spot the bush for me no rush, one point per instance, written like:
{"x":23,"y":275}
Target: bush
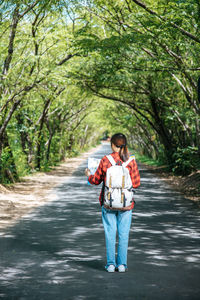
{"x":7,"y":167}
{"x":185,"y":161}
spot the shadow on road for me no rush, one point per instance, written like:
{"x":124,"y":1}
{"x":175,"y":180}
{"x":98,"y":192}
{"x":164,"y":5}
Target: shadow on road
{"x":58,"y":251}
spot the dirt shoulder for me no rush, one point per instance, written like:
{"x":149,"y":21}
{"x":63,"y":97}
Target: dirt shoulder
{"x":35,"y":190}
{"x":189,"y":185}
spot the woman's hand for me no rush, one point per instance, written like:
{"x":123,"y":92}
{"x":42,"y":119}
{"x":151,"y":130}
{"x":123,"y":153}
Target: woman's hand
{"x":87,"y":172}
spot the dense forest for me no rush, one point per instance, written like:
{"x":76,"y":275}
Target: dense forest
{"x":73,"y":71}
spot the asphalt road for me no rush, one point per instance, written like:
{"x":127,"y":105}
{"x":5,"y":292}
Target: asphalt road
{"x":58,"y":251}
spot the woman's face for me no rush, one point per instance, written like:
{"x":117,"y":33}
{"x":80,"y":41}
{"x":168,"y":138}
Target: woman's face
{"x":114,"y":148}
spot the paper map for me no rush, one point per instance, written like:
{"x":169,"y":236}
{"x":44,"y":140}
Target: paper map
{"x":93,"y":164}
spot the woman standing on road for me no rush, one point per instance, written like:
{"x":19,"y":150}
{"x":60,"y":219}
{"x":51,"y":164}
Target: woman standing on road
{"x":116,"y":219}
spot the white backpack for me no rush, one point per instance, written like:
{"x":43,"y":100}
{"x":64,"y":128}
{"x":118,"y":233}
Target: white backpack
{"x":118,"y":186}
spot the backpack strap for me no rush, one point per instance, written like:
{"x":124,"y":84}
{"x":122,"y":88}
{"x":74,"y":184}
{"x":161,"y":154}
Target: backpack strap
{"x":102,"y":193}
{"x":111,"y":160}
{"x":125,"y":164}
{"x":122,"y":190}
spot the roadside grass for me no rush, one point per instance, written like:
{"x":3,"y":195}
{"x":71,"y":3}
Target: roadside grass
{"x":148,"y":161}
{"x":189,"y":185}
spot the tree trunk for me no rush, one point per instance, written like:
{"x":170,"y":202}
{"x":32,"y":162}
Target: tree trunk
{"x":16,"y":18}
{"x":162,"y":130}
{"x":9,"y":173}
{"x":198,"y":134}
{"x":39,"y":137}
{"x":26,"y":142}
{"x":49,"y":145}
{"x":148,"y":136}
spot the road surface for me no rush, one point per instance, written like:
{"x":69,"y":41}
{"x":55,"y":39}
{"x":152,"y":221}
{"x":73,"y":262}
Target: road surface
{"x":58,"y":251}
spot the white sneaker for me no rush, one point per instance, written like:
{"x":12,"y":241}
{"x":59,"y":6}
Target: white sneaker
{"x":111,"y":269}
{"x":121,"y":268}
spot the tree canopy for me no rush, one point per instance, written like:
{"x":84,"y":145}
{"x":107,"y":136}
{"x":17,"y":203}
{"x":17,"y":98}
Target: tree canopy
{"x":72,"y":70}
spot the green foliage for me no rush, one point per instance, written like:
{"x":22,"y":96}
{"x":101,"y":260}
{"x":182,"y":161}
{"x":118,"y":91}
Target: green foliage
{"x":71,"y":72}
{"x":6,"y":166}
{"x":186,"y":160}
{"x":148,"y":63}
{"x":147,"y":160}
{"x":50,"y":119}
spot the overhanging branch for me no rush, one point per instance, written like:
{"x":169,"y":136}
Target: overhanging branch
{"x":183,"y":31}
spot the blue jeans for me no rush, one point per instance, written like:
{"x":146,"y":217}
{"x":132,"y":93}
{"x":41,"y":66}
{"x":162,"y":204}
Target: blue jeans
{"x":113,"y":222}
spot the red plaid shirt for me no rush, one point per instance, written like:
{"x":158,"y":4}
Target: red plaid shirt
{"x":104,"y":164}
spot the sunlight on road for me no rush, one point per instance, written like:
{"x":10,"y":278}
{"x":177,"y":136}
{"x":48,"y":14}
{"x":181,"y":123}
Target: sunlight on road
{"x":60,"y":246}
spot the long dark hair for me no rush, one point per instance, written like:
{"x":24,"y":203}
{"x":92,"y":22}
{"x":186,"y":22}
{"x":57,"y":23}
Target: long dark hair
{"x":120,"y":141}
